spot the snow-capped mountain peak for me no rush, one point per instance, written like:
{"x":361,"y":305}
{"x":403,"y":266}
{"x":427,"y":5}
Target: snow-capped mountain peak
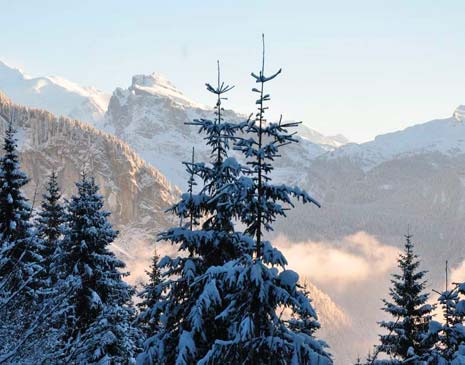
{"x":53,"y":93}
{"x":330,"y":142}
{"x":459,"y":113}
{"x":10,"y":72}
{"x":159,"y":85}
{"x":444,"y":136}
{"x":154,"y":80}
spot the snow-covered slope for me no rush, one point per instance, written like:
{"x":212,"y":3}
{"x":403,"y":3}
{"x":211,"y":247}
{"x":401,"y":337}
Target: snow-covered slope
{"x":151,"y":116}
{"x":446,"y":136}
{"x":330,"y":142}
{"x":135,"y":192}
{"x":55,"y":94}
{"x":157,"y":84}
{"x":412,"y":177}
{"x":337,"y":328}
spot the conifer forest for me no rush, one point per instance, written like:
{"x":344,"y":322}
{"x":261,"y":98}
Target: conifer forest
{"x":141,"y":227}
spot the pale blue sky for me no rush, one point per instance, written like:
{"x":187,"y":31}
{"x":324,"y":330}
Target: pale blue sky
{"x":354,"y":67}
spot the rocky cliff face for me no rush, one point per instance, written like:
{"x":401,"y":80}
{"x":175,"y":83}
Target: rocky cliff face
{"x":151,"y":116}
{"x":135,"y":192}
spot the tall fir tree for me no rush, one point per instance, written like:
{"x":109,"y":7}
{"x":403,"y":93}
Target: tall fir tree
{"x":19,"y":251}
{"x":97,"y":303}
{"x":257,"y":285}
{"x":205,"y":238}
{"x":20,"y":261}
{"x":407,"y":336}
{"x":149,"y":322}
{"x":50,"y":225}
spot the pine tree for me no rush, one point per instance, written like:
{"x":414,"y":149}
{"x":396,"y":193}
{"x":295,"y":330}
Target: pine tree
{"x":20,"y":261}
{"x":96,"y":301}
{"x":222,"y":171}
{"x":19,"y":251}
{"x":190,"y":302}
{"x":50,"y":225}
{"x":149,"y":322}
{"x":407,"y":336}
{"x":450,"y":334}
{"x":108,"y":340}
{"x":257,"y":284}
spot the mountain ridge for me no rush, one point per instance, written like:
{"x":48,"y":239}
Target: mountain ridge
{"x":90,"y":105}
{"x":446,"y":136}
{"x":42,"y":132}
{"x":53,"y":93}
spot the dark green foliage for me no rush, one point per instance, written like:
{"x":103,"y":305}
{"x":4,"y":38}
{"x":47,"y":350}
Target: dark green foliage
{"x":148,"y":320}
{"x":407,"y":335}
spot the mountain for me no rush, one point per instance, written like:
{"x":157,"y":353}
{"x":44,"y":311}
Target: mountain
{"x":136,"y":193}
{"x":414,"y":177}
{"x":330,"y":142}
{"x":53,"y":93}
{"x":445,"y":136}
{"x":338,"y":329}
{"x":148,"y":115}
{"x":151,"y":116}
{"x":411,"y":179}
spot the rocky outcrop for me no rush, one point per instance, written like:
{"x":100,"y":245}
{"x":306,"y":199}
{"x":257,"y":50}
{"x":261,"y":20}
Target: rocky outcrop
{"x":136,"y":193}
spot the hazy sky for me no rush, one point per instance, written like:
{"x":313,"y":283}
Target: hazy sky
{"x":359,"y":68}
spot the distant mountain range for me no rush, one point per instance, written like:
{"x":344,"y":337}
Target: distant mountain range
{"x":414,"y":177}
{"x":149,"y":115}
{"x":53,"y":93}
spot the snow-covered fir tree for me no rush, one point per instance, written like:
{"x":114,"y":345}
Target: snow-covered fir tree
{"x":258,"y":288}
{"x":97,"y":303}
{"x":407,"y":333}
{"x":19,"y":251}
{"x":150,"y":296}
{"x":20,"y":261}
{"x":450,"y":333}
{"x":206,"y":237}
{"x":50,"y":224}
{"x":109,"y":339}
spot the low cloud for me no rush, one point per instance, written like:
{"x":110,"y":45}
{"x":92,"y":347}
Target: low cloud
{"x":353,"y":271}
{"x":355,"y":258}
{"x":136,"y":249}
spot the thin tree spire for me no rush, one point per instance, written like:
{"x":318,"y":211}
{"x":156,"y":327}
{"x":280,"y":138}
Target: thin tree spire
{"x":260,"y":118}
{"x":191,"y":188}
